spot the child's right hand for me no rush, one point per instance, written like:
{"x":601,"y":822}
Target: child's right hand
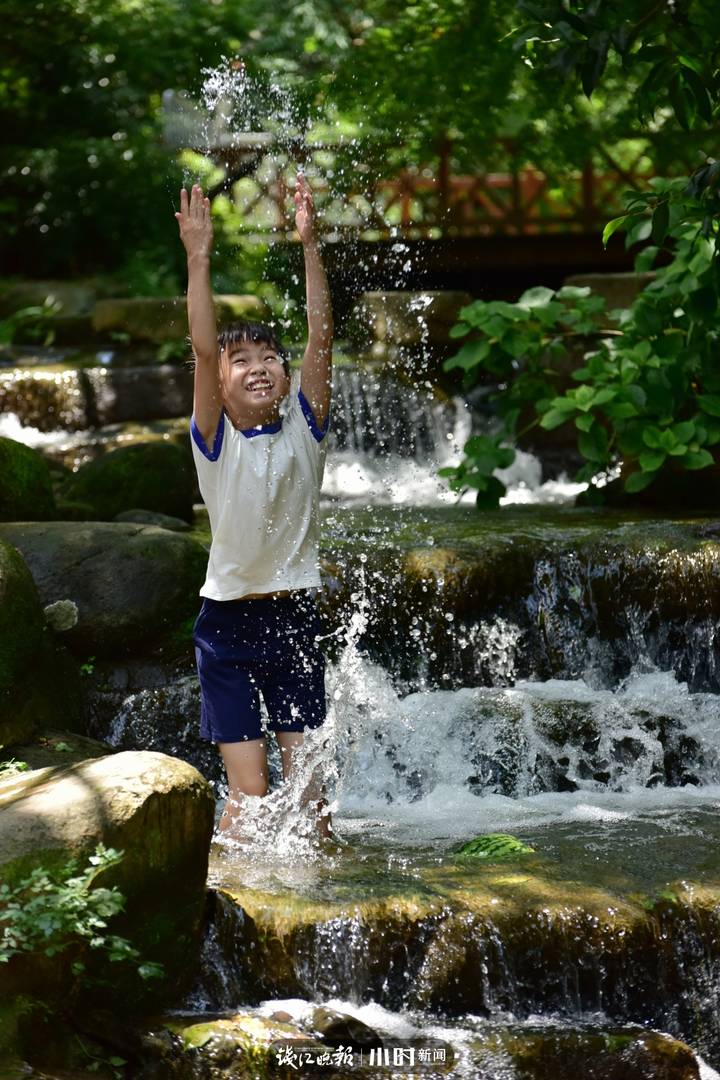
{"x":196,"y":231}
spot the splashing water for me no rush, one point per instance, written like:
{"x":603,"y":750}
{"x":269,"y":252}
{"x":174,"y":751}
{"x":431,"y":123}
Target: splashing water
{"x":282,"y":824}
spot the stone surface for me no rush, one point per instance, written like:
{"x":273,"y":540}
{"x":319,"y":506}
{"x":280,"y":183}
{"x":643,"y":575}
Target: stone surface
{"x":156,"y":476}
{"x":621,"y":917}
{"x":150,"y":517}
{"x":76,"y":298}
{"x":560,"y":1053}
{"x":138,"y":394}
{"x":166,"y":320}
{"x":484,"y":599}
{"x":157,"y":810}
{"x":619,"y":290}
{"x":133,"y":584}
{"x":25,"y":487}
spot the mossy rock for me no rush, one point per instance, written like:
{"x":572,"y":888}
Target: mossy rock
{"x":22,"y":638}
{"x":155,"y":476}
{"x":562,"y":1053}
{"x":133,"y":585}
{"x":493,"y":847}
{"x":162,"y":320}
{"x":25,"y":484}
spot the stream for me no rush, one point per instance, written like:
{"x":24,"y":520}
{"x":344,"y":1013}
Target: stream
{"x":542,"y":671}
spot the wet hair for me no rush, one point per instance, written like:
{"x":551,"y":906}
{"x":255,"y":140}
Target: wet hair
{"x":258,"y":333}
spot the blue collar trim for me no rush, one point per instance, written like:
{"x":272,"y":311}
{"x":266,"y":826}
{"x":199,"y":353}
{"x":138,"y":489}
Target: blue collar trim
{"x":262,"y":429}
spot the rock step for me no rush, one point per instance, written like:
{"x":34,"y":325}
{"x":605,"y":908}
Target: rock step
{"x":631,"y":930}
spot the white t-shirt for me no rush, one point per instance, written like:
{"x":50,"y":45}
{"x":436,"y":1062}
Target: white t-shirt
{"x":261,"y":488}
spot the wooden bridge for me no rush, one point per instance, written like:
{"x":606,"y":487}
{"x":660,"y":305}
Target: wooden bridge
{"x":426,"y":225}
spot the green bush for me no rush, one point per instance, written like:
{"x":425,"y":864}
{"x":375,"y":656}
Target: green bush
{"x":648,"y":393}
{"x":48,"y":911}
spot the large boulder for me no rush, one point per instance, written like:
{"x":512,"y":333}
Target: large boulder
{"x":158,"y":321}
{"x":25,"y":487}
{"x":156,"y":809}
{"x":157,"y":476}
{"x":133,"y":584}
{"x":120,"y":394}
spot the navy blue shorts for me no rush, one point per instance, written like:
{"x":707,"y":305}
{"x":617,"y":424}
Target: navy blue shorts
{"x":245,"y":648}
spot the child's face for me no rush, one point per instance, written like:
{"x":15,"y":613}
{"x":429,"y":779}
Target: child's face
{"x":253,"y":377}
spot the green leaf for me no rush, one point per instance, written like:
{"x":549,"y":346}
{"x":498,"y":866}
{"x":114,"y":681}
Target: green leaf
{"x":652,"y":460}
{"x":536,"y":297}
{"x":584,"y":422}
{"x":698,"y":459}
{"x":593,"y":444}
{"x":637,"y":481}
{"x":554,"y":418}
{"x":612,"y":227}
{"x":684,"y":431}
{"x":602,"y":396}
{"x":644,"y":259}
{"x":660,"y":222}
{"x":459,"y":330}
{"x":652,"y":436}
{"x":573,"y":292}
{"x":471,"y":355}
{"x":709,"y":403}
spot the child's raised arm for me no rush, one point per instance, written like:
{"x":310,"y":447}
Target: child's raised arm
{"x":316,"y":372}
{"x":196,"y":233}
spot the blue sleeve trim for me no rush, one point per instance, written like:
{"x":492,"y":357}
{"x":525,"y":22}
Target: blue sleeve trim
{"x":214,"y":454}
{"x":318,"y":432}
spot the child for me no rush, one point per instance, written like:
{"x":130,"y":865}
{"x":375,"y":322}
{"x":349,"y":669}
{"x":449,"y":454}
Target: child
{"x":260,"y":474}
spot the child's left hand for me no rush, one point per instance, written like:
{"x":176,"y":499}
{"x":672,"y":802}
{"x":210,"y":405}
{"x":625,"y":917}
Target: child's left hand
{"x":304,"y":210}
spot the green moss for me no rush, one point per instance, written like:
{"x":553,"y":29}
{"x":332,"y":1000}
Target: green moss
{"x":25,"y":484}
{"x":147,"y":476}
{"x":21,"y":618}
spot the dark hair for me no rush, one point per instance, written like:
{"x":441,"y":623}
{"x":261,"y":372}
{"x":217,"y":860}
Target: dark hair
{"x":260,"y":334}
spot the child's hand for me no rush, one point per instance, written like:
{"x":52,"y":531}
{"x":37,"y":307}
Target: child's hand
{"x":196,"y":231}
{"x":304,"y":210}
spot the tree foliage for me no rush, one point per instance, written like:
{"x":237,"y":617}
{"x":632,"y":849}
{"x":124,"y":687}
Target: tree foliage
{"x":88,"y":183}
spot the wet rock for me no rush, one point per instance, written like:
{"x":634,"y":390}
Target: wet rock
{"x":338,"y":1028}
{"x":119,"y":395}
{"x":152,"y":710}
{"x":564,"y":1053}
{"x":25,"y":486}
{"x":581,"y":926}
{"x":150,"y":517}
{"x":238,"y":1045}
{"x":460,"y":598}
{"x":132,"y":584}
{"x":166,"y":320}
{"x":156,"y":809}
{"x":155,"y":476}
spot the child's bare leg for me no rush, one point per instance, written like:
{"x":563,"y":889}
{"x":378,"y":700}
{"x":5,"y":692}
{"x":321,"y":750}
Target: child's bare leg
{"x":289,"y":742}
{"x":247,"y":774}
